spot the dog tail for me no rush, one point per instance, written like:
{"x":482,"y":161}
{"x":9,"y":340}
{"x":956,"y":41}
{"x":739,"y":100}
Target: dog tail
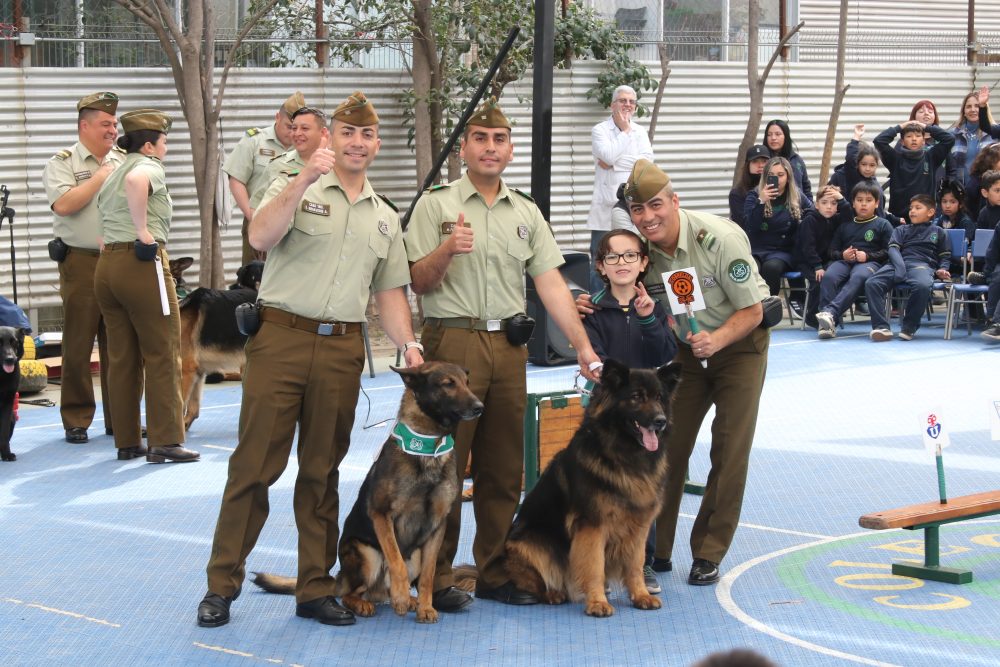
{"x":465,"y":577}
{"x":273,"y":583}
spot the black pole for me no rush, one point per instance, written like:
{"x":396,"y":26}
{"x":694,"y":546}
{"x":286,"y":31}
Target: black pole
{"x":470,"y":108}
{"x":8,"y":213}
{"x":541,"y":121}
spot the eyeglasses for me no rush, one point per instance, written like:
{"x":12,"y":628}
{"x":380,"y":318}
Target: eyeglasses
{"x":626,"y":102}
{"x":630,"y":257}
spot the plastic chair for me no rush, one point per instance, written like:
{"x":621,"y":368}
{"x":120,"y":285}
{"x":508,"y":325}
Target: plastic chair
{"x":786,"y":290}
{"x":964,"y":293}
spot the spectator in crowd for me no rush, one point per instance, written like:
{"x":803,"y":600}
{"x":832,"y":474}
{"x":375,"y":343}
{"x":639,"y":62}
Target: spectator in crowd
{"x":860,"y":164}
{"x":987,"y":160}
{"x":911,"y":163}
{"x":812,"y":243}
{"x":753,"y":165}
{"x":973,"y":131}
{"x":778,"y":138}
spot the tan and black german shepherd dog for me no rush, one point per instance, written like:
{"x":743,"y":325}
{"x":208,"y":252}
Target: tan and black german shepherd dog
{"x":394,"y":531}
{"x":586,"y":520}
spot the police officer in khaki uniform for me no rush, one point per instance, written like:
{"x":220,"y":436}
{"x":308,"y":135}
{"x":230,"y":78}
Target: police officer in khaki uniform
{"x":731,"y":345}
{"x":469,"y":243}
{"x":331,"y":239}
{"x":72,"y":178}
{"x":309,"y":126}
{"x":247,"y":163}
{"x":133,"y":286}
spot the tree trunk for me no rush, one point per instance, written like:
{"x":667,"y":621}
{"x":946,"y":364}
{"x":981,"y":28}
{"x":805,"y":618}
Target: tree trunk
{"x":424,"y":64}
{"x":664,"y":75}
{"x":839,"y":91}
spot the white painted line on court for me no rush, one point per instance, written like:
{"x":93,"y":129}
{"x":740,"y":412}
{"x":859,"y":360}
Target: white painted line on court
{"x":770,"y":529}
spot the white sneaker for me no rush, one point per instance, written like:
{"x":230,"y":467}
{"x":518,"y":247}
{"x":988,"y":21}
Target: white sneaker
{"x":880,"y":335}
{"x":906,"y":335}
{"x":826,"y":326}
{"x":649,"y":578}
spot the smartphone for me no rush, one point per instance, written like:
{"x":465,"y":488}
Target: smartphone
{"x":772,"y":181}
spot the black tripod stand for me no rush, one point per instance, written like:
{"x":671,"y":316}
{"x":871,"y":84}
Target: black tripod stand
{"x":8,"y":213}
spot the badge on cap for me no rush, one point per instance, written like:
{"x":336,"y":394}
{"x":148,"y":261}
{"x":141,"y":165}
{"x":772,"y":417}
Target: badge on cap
{"x":383,"y":227}
{"x":522,"y":231}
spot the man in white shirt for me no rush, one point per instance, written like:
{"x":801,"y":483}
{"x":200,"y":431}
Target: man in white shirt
{"x":616,"y":143}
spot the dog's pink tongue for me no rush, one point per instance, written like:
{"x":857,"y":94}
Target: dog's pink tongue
{"x":8,"y":366}
{"x":649,"y":440}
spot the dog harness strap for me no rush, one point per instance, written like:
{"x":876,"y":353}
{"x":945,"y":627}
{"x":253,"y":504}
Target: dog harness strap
{"x":419,"y":444}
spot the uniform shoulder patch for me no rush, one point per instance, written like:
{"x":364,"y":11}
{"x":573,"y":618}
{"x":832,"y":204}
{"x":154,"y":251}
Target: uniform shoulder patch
{"x":523,"y":194}
{"x":388,"y":201}
{"x":705,"y":239}
{"x":439,"y":186}
{"x":63,"y":154}
{"x":253,"y":131}
{"x":118,"y":149}
{"x":292,"y":173}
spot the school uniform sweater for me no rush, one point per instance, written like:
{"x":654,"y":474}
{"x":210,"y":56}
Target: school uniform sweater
{"x":872,"y":236}
{"x":812,"y":244}
{"x":619,"y":333}
{"x":924,"y":243}
{"x":912,"y":172}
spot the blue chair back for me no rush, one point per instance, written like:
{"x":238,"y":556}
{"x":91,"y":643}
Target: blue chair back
{"x":957,"y":239}
{"x":981,"y":243}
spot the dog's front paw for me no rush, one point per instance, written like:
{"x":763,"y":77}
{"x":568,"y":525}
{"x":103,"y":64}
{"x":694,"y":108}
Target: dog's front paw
{"x":599,"y":608}
{"x":427,"y":615}
{"x":359,"y":606}
{"x":9,"y":456}
{"x":402,"y":606}
{"x":553,"y":597}
{"x":646,"y":602}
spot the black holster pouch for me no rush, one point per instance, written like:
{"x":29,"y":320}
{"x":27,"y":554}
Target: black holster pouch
{"x":773,"y":312}
{"x":146,"y":252}
{"x":519,"y":329}
{"x":58,"y":250}
{"x":248,"y":318}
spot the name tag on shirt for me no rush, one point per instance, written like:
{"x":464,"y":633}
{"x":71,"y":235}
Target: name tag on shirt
{"x":315,"y":209}
{"x":448,"y":227}
{"x":269,"y":152}
{"x":82,"y":175}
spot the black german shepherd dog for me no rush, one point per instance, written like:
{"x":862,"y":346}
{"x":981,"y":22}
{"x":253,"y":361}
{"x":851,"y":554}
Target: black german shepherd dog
{"x":394,"y":531}
{"x":11,"y":351}
{"x":587,"y":518}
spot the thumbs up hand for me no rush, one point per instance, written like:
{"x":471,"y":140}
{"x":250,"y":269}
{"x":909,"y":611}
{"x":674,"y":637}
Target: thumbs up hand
{"x":322,"y":160}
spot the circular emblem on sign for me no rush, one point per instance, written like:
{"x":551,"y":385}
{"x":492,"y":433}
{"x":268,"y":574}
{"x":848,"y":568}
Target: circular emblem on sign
{"x":682,"y":285}
{"x":739,"y":271}
{"x":522,"y":231}
{"x":383,"y":227}
{"x":869,"y":235}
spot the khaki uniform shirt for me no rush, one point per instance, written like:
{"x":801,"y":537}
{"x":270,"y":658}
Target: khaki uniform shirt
{"x":289,"y":164}
{"x":334,"y":253}
{"x":68,"y":169}
{"x":116,"y":220}
{"x":248,"y":162}
{"x":510,"y":237}
{"x":719,"y":251}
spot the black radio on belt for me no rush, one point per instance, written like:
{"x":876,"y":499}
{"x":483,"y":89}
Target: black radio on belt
{"x":58,"y":250}
{"x":248,"y":318}
{"x":772,"y":312}
{"x":519,"y":329}
{"x":146,"y":252}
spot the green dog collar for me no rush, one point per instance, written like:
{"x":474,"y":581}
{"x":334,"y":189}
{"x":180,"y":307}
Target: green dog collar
{"x":421,"y":445}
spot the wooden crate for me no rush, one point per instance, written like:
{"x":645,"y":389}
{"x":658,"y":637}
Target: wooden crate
{"x":550,"y":420}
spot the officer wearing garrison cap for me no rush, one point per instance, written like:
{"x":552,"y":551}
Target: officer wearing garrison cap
{"x":331,"y":240}
{"x":72,"y":178}
{"x":723,"y":365}
{"x":469,"y":243}
{"x":247,"y":164}
{"x":137,"y":297}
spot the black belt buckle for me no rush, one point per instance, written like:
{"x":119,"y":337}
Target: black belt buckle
{"x":331,"y":329}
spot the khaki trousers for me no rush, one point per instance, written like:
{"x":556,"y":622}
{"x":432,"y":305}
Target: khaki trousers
{"x":292,"y":377}
{"x":82,"y":322}
{"x":732,"y":382}
{"x":495,"y":440}
{"x":142,"y":342}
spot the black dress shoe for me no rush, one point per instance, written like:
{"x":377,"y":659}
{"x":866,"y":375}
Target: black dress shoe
{"x":213,"y":610}
{"x":326,"y":610}
{"x":174,"y":453}
{"x":508,"y":594}
{"x":662,"y":564}
{"x":450,"y":600}
{"x":127,"y":453}
{"x":76,"y":435}
{"x":703,"y":572}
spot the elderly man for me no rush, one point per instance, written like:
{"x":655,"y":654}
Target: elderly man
{"x":616,"y":142}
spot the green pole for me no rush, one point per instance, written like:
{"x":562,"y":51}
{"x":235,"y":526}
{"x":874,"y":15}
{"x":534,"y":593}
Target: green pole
{"x":940,"y":476}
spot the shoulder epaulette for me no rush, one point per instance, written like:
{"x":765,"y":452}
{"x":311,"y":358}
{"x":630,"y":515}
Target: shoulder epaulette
{"x":277,"y":157}
{"x":63,"y":154}
{"x":439,"y":186}
{"x":253,"y":131}
{"x":291,"y":174}
{"x":388,"y":201}
{"x":118,"y":149}
{"x":523,"y":194}
{"x":705,"y":239}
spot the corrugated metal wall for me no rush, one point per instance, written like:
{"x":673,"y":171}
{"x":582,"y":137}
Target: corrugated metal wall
{"x":917,"y":17}
{"x":701,"y":124}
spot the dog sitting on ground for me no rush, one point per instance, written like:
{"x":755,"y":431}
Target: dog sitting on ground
{"x":395,"y":529}
{"x":587,"y":519}
{"x":210,"y":339}
{"x":11,"y":351}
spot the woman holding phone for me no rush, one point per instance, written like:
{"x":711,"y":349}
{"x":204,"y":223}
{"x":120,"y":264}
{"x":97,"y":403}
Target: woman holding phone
{"x":772,"y":213}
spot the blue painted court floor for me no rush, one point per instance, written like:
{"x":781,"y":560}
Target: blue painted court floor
{"x":102,"y":562}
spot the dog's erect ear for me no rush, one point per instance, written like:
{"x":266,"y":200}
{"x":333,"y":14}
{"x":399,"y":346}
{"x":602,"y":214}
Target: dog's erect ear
{"x":670,"y":376}
{"x":614,"y":375}
{"x":412,"y":377}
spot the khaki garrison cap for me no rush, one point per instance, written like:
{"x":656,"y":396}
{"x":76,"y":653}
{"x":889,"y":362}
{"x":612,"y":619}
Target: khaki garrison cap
{"x":146,"y":119}
{"x":489,"y":115}
{"x":356,"y":110}
{"x":106,"y":102}
{"x":645,"y":182}
{"x":294,"y":102}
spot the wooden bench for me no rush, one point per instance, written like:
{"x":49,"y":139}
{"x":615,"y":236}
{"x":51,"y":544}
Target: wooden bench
{"x":929,"y":517}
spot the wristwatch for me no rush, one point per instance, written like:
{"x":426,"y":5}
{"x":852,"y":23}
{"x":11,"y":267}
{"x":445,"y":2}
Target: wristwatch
{"x":413,"y":343}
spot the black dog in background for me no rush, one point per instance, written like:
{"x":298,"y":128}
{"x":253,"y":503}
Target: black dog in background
{"x":210,"y":339}
{"x":11,"y":351}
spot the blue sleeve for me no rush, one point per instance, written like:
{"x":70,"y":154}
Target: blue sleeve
{"x":806,"y":184}
{"x":883,"y":144}
{"x":944,"y":141}
{"x":736,"y":202}
{"x":753,"y":211}
{"x":944,"y":251}
{"x":594,"y":334}
{"x":658,"y":342}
